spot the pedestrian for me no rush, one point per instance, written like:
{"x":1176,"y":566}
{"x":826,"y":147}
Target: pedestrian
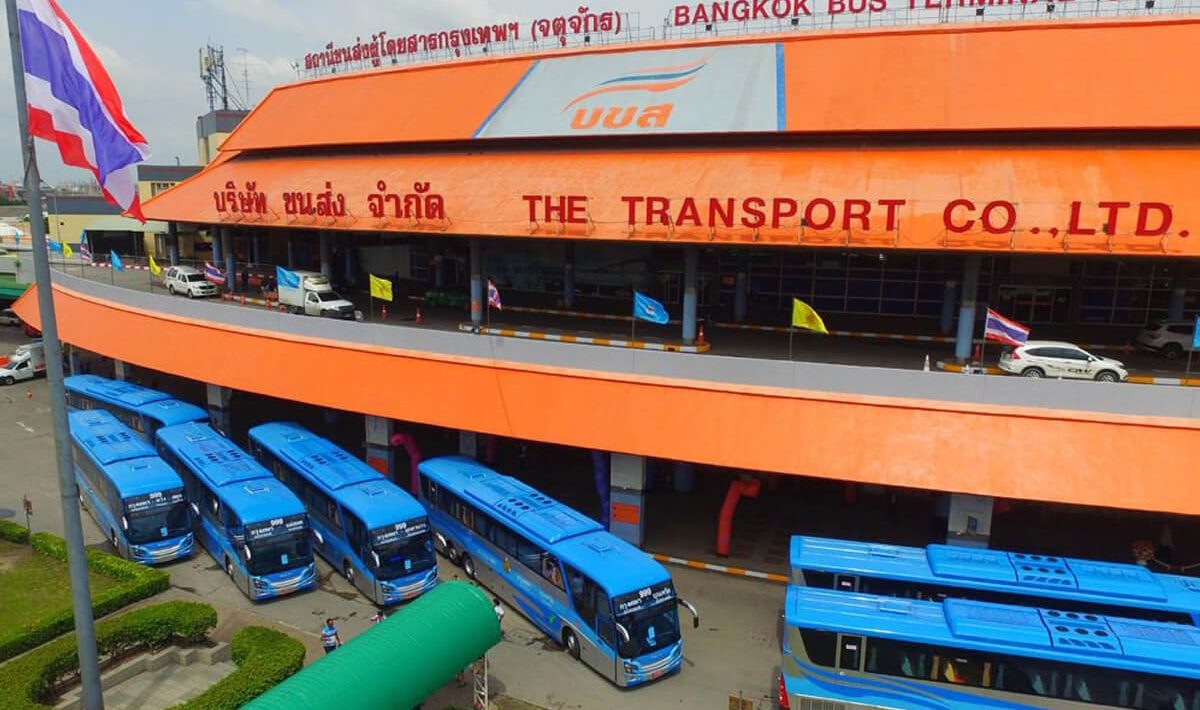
{"x":498,"y":608}
{"x":378,"y":617}
{"x":329,"y":636}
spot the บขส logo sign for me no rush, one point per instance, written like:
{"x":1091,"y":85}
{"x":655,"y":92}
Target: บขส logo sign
{"x":655,"y":80}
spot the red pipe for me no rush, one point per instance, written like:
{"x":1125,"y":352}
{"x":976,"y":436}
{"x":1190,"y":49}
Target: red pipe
{"x":414,"y":457}
{"x":741,"y":487}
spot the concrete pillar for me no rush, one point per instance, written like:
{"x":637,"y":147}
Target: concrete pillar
{"x":326,"y":244}
{"x":741,"y":288}
{"x":218,"y":399}
{"x":439,"y":272}
{"x":1178,"y":300}
{"x":291,"y":251}
{"x":230,"y":267}
{"x":476,"y":283}
{"x":120,"y":370}
{"x":74,"y":366}
{"x":215,"y":233}
{"x":256,"y":248}
{"x":684,"y":477}
{"x":468,"y":444}
{"x":966,"y":312}
{"x":173,"y":243}
{"x":602,"y":470}
{"x":970,"y":520}
{"x":949,"y":295}
{"x":627,"y":498}
{"x":380,"y":455}
{"x":348,"y":264}
{"x":691,"y":264}
{"x":569,"y":278}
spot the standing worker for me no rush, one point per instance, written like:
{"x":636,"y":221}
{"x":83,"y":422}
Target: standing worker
{"x":329,"y":636}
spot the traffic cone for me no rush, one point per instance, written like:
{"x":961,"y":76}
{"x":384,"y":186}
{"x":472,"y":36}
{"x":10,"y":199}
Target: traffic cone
{"x":700,"y":336}
{"x":384,"y":312}
{"x":267,"y":303}
{"x":243,"y":299}
{"x":28,"y":393}
{"x":926,"y":368}
{"x":418,"y":318}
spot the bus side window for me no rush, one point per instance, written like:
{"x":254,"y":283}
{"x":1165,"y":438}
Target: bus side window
{"x":550,"y":570}
{"x":582,"y":595}
{"x":604,"y":622}
{"x":820,"y":646}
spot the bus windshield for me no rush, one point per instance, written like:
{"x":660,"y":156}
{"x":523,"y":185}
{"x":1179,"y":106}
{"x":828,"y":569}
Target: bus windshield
{"x":279,"y":553}
{"x":651,"y":618}
{"x":155,"y":517}
{"x":400,"y":556}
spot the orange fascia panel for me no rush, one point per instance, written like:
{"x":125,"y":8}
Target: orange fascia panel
{"x":1062,"y":75}
{"x":998,"y":199}
{"x":1071,"y":457}
{"x":431,"y":103}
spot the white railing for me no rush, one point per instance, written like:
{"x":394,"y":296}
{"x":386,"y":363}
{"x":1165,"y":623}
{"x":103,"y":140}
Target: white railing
{"x":633,"y":33}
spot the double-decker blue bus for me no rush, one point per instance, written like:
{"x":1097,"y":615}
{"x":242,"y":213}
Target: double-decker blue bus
{"x":936,"y":572}
{"x":850,"y":650}
{"x":135,"y":498}
{"x":364,"y":525}
{"x":141,"y":409}
{"x":251,"y":524}
{"x":610,"y":604}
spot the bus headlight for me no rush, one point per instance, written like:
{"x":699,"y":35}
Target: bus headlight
{"x":628,"y":667}
{"x":259,"y":584}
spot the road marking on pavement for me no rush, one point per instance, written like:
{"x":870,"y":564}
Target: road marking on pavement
{"x":723,"y":569}
{"x":28,"y":429}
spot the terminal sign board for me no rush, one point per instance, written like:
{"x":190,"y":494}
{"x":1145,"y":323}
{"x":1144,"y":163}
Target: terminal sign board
{"x":275,"y":526}
{"x":153,"y":501}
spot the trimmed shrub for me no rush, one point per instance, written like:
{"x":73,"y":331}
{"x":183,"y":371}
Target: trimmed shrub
{"x":27,"y":681}
{"x":140,"y":582}
{"x":265,"y":657}
{"x":13,"y":532}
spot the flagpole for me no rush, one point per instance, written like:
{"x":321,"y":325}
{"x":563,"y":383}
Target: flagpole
{"x":1188,"y":372}
{"x":791,"y":334}
{"x":68,"y":492}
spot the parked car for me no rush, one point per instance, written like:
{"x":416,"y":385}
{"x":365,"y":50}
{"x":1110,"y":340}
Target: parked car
{"x":1169,"y":338}
{"x":188,"y":281}
{"x":28,"y":362}
{"x":1049,"y":358}
{"x":7,"y":317}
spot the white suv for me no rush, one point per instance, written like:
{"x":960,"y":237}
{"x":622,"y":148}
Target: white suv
{"x":188,"y":281}
{"x":1169,"y":338}
{"x":1048,"y":358}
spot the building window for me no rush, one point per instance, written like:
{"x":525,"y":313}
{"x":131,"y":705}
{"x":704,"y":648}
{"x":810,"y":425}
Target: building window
{"x":157,"y":187}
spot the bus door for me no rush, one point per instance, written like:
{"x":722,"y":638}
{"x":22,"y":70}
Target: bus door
{"x":595,"y":612}
{"x":845,"y":582}
{"x":849,"y":652}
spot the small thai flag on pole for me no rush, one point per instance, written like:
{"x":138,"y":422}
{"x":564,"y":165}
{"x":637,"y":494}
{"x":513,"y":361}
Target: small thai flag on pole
{"x":493,"y":296}
{"x":213,"y":274}
{"x":1001,"y":329}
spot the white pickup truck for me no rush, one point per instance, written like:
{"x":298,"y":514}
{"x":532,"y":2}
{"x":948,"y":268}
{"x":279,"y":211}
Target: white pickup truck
{"x":315,"y":297}
{"x":28,"y":362}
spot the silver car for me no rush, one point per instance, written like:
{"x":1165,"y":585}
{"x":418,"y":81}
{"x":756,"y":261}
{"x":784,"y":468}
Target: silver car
{"x":1049,"y":358}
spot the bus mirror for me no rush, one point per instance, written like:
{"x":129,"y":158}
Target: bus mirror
{"x":695,"y":614}
{"x":246,"y":552}
{"x":320,"y":538}
{"x":623,"y":633}
{"x":375,"y":558}
{"x":124,"y":523}
{"x":195,"y":508}
{"x":440,"y":539}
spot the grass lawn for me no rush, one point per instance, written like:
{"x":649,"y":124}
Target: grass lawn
{"x":33,"y":586}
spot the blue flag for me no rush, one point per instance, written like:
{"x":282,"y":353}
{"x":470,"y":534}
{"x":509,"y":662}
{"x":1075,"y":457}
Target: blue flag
{"x":55,"y":247}
{"x":649,"y":309}
{"x":116,"y":261}
{"x":286,"y":279}
{"x":1196,"y":334}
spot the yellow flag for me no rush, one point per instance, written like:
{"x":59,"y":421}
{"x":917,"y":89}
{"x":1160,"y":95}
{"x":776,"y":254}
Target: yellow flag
{"x":803,"y":316}
{"x":380,"y":288}
{"x":68,"y":252}
{"x":155,"y":269}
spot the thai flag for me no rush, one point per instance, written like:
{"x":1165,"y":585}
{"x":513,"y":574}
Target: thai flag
{"x":493,"y":296}
{"x":997,"y":327}
{"x":213,"y":274}
{"x":73,"y":103}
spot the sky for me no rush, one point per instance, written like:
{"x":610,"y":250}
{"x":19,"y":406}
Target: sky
{"x":151,"y":47}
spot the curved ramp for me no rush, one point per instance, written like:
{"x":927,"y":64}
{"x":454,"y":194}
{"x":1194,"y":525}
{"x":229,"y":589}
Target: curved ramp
{"x":398,"y":663}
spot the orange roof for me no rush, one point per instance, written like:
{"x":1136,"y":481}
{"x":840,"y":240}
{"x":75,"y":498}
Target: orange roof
{"x":1031,"y":199}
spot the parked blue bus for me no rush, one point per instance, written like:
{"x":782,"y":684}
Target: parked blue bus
{"x":610,"y":604}
{"x":851,"y":650}
{"x":251,"y":524}
{"x":135,"y":498}
{"x":141,"y":409}
{"x":939,"y":571}
{"x":363,"y":524}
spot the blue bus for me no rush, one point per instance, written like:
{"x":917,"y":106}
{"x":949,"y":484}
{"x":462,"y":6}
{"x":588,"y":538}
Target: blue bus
{"x":363,"y":524}
{"x":251,"y":524}
{"x":135,"y":498}
{"x":939,"y":571}
{"x":610,"y":604}
{"x":141,"y":409}
{"x":851,"y":650}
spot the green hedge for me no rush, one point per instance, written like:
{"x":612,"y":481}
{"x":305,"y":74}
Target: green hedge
{"x":27,"y":681}
{"x":13,"y":532}
{"x":140,"y":582}
{"x":264,"y":658}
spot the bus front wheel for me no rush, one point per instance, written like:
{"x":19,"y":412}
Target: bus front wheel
{"x":228,"y":568}
{"x":468,"y":566}
{"x":113,"y":540}
{"x":452,"y":553}
{"x":571,"y":643}
{"x":348,"y":571}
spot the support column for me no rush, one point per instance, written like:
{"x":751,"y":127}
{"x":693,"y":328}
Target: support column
{"x":741,"y":288}
{"x":173,"y":243}
{"x":120,"y":370}
{"x":380,"y":454}
{"x":326,"y":245}
{"x":1178,"y":300}
{"x":627,"y":493}
{"x":468,"y":444}
{"x":476,"y":283}
{"x":691,"y":264}
{"x":348,"y":264}
{"x":949,"y":295}
{"x":218,"y":399}
{"x":291,"y":251}
{"x":569,"y":278}
{"x":684,"y":477}
{"x":230,"y":267}
{"x":603,"y":476}
{"x":966,"y":313}
{"x":439,"y":273}
{"x":215,"y":235}
{"x":256,"y":248}
{"x":73,"y":364}
{"x":970,"y":521}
